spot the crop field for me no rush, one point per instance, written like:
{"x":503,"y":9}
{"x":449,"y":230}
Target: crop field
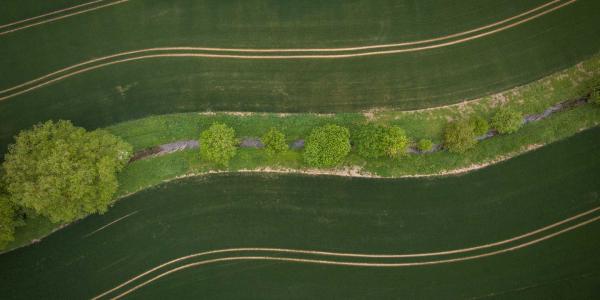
{"x":433,"y":238}
{"x":141,"y":210}
{"x":120,"y":60}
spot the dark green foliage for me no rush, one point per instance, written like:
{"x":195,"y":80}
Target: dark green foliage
{"x":374,"y":141}
{"x":595,"y":96}
{"x":327,"y":146}
{"x":218,"y":144}
{"x":425,"y":145}
{"x":480,"y":125}
{"x":274,"y":141}
{"x":64,"y":172}
{"x":7,"y":221}
{"x":459,"y":136}
{"x":507,"y":120}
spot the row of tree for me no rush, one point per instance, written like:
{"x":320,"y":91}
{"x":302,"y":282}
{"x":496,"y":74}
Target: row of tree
{"x":328,"y":145}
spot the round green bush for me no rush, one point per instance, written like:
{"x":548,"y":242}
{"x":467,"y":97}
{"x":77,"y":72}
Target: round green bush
{"x":425,"y":145}
{"x":480,"y":125}
{"x":374,"y":141}
{"x":327,"y":146}
{"x":64,"y":172}
{"x":274,"y":141}
{"x":459,"y":136}
{"x":507,"y":121}
{"x":218,"y":144}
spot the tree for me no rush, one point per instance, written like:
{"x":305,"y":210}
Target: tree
{"x":374,"y":141}
{"x":274,"y":141}
{"x":480,"y":125}
{"x":64,"y":172}
{"x":425,"y":145}
{"x":327,"y":146}
{"x":218,"y":144}
{"x":507,"y":120}
{"x":459,"y":136}
{"x":7,"y":221}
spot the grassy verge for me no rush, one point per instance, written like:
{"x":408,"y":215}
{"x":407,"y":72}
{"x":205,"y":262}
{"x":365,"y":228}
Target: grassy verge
{"x":146,"y":173}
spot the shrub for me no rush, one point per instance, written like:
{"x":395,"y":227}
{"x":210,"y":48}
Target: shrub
{"x":7,"y":221}
{"x":64,"y":172}
{"x":327,"y":146}
{"x":507,"y":121}
{"x":425,"y":145}
{"x":218,"y":144}
{"x":374,"y":141}
{"x":480,"y":125}
{"x":274,"y":141}
{"x":459,"y":136}
{"x":395,"y":141}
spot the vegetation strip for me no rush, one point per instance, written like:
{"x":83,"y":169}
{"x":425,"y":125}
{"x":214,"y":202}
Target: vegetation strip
{"x":57,"y":18}
{"x":270,"y":57}
{"x":347,"y":263}
{"x":255,"y":143}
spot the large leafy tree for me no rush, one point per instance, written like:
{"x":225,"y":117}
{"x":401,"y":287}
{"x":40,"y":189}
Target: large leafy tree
{"x":374,"y":141}
{"x":459,"y":136}
{"x":218,"y":144}
{"x":327,"y":146}
{"x":64,"y":172}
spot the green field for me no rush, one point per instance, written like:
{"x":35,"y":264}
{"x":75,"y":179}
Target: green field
{"x":153,"y":72}
{"x":340,"y":215}
{"x":409,"y":80}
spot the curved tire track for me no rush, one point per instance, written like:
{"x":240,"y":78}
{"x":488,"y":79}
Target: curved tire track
{"x":224,"y":53}
{"x":356,"y":255}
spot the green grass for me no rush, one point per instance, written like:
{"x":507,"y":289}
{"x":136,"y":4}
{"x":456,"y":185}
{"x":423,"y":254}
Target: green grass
{"x":334,"y":214}
{"x":405,"y":81}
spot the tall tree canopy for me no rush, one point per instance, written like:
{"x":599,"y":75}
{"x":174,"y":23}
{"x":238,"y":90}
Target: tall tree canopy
{"x":64,"y":172}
